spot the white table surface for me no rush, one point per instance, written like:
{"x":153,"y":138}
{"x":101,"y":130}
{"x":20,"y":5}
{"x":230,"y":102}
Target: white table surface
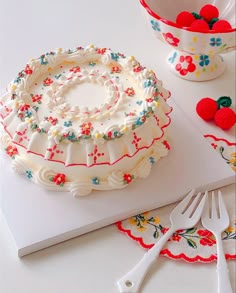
{"x":93,"y":262}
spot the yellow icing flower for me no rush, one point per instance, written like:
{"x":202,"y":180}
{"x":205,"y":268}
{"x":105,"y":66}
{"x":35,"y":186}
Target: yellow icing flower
{"x":29,"y":120}
{"x":54,"y":132}
{"x":13,"y":87}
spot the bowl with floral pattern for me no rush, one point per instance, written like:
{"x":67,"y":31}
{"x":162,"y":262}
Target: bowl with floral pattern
{"x":196,"y":55}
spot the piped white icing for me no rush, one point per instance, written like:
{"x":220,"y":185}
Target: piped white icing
{"x":105,"y":145}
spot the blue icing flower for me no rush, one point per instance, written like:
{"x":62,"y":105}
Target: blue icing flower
{"x":114,"y":56}
{"x":148,"y":83}
{"x":95,"y":180}
{"x":204,"y":60}
{"x":29,"y":174}
{"x":139,"y":102}
{"x":68,"y":123}
{"x":28,"y":114}
{"x":152,"y":160}
{"x":155,"y":25}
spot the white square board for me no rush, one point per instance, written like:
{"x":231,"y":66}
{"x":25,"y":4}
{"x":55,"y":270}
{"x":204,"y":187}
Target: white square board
{"x":38,"y":218}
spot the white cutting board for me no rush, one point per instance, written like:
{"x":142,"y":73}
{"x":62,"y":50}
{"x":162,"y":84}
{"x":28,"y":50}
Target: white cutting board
{"x":38,"y":218}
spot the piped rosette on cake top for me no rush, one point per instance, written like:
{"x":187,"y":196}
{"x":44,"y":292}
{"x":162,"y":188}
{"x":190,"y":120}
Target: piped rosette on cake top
{"x":84,"y":119}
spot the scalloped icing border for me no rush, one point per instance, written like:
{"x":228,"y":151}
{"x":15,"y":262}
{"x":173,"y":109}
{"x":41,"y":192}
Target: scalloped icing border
{"x":51,"y":180}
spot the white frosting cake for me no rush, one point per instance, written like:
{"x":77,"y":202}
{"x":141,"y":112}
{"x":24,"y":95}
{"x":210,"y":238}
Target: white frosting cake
{"x":84,"y":119}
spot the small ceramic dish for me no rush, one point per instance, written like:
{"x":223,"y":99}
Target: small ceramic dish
{"x":195,"y":55}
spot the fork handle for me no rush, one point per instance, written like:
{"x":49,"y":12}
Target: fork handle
{"x":224,"y":285}
{"x":131,"y":282}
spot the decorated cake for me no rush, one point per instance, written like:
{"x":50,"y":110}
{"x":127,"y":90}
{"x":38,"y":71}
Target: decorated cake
{"x":84,"y":119}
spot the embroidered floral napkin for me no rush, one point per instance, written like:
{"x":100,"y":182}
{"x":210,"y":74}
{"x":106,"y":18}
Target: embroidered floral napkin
{"x":192,"y":245}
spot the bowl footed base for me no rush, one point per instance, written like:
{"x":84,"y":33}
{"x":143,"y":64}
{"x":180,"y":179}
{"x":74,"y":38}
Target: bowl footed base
{"x":196,"y":67}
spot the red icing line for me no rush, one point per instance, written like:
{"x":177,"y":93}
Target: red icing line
{"x":168,"y":253}
{"x":220,"y":139}
{"x":173,"y":24}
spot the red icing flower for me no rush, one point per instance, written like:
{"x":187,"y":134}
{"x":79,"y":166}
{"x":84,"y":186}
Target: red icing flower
{"x":52,"y":120}
{"x":24,"y":107}
{"x":36,"y":98}
{"x":11,"y":151}
{"x":207,"y":238}
{"x":28,"y":70}
{"x":170,"y":39}
{"x":127,"y":178}
{"x":149,"y":100}
{"x":186,"y":65}
{"x":47,"y":82}
{"x":130,"y":91}
{"x":75,"y":69}
{"x":86,"y":128}
{"x":101,"y":50}
{"x":137,"y":68}
{"x":59,"y":179}
{"x":115,"y":69}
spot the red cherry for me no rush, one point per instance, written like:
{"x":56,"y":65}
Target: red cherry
{"x":221,"y":25}
{"x":200,"y":25}
{"x":206,"y":108}
{"x":225,"y":118}
{"x":209,"y":11}
{"x":185,"y":18}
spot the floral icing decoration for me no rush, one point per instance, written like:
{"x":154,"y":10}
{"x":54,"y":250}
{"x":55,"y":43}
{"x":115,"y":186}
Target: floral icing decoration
{"x":36,"y":98}
{"x":115,"y":69}
{"x":86,"y":129}
{"x":58,"y":179}
{"x":128,"y":178}
{"x":28,"y":70}
{"x":130,"y":92}
{"x":12,"y":151}
{"x":47,"y":81}
{"x":95,"y":180}
{"x":28,"y":174}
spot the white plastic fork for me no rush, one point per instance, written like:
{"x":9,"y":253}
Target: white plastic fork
{"x":184,"y":216}
{"x":216,"y":219}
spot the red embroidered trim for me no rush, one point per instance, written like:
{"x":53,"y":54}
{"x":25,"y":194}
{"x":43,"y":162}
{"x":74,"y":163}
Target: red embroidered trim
{"x":168,"y":253}
{"x":220,"y":139}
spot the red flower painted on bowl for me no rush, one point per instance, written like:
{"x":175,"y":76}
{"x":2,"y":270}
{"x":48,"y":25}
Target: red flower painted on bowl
{"x":185,"y":65}
{"x":170,"y":39}
{"x":47,"y":82}
{"x":11,"y":151}
{"x":128,"y":178}
{"x":207,"y":238}
{"x":59,"y":179}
